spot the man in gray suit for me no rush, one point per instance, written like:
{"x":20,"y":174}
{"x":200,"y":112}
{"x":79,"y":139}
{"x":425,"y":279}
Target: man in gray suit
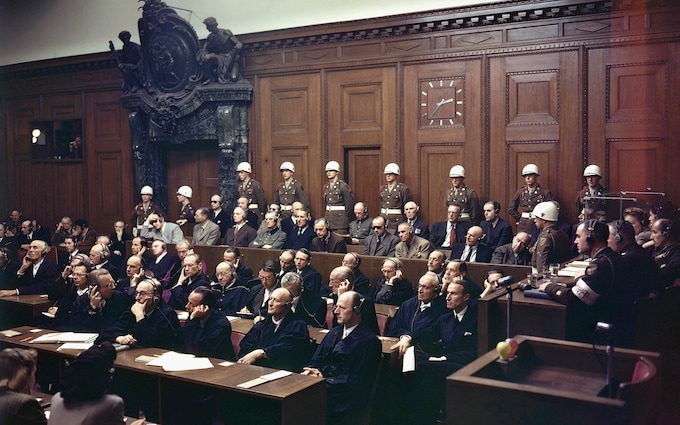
{"x":381,"y":242}
{"x":411,"y":246}
{"x":515,"y":252}
{"x":205,"y":231}
{"x":155,"y":227}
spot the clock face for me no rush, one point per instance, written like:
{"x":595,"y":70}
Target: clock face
{"x":441,"y":102}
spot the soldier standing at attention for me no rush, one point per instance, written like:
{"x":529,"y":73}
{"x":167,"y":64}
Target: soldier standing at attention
{"x":251,"y":189}
{"x":289,"y":191}
{"x":337,"y":200}
{"x":461,"y":194}
{"x":393,"y":196}
{"x":143,"y":209}
{"x":526,"y":198}
{"x":552,"y":245}
{"x":187,"y":212}
{"x":593,"y":175}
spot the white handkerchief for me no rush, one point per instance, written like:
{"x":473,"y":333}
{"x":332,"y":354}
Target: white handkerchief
{"x":409,"y":360}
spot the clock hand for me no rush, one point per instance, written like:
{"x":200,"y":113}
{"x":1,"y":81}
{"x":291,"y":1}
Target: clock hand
{"x":439,"y":105}
{"x":443,"y":102}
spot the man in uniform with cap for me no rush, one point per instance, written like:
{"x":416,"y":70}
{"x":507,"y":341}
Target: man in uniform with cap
{"x":251,"y":189}
{"x":526,"y":198}
{"x":337,"y":200}
{"x":289,"y":191}
{"x":144,"y":209}
{"x":393,"y":196}
{"x":593,"y":175}
{"x":187,"y":213}
{"x":461,"y":194}
{"x":552,"y":245}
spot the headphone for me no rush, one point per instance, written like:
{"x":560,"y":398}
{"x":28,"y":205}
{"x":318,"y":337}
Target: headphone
{"x":496,"y":206}
{"x":289,"y":304}
{"x":358,"y":309}
{"x":617,"y":235}
{"x":666,"y":232}
{"x":357,"y":258}
{"x":156,"y":299}
{"x":590,"y":226}
{"x":4,"y":252}
{"x":105,"y":252}
{"x":46,"y":248}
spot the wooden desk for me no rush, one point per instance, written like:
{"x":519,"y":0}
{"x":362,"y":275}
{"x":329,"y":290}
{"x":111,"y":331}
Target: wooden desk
{"x":530,"y":316}
{"x":19,"y":309}
{"x":386,"y":309}
{"x":550,"y":381}
{"x":297,"y":398}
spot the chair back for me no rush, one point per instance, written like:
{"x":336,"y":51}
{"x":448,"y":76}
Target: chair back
{"x":639,"y":393}
{"x":236,"y":338}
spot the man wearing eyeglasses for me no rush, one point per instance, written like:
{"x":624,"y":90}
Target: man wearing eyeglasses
{"x":259,"y":294}
{"x":101,"y":307}
{"x":381,"y":242}
{"x":218,"y":215}
{"x":445,"y":234}
{"x":155,"y":227}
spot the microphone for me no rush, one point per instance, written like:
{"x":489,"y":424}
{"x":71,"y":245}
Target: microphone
{"x":505,"y":281}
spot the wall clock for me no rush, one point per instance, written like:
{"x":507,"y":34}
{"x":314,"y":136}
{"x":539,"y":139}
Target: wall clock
{"x":441,"y":102}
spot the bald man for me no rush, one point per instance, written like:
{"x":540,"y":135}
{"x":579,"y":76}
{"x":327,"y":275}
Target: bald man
{"x":473,"y":250}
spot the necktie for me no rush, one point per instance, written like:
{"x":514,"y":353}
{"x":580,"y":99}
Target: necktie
{"x":377,"y":243}
{"x":424,"y":306}
{"x":299,"y":232}
{"x":452,"y":236}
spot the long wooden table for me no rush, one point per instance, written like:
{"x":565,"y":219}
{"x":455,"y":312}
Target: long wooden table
{"x":530,"y":316}
{"x":297,"y":398}
{"x":18,"y":310}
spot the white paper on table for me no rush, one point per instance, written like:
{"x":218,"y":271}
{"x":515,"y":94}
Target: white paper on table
{"x":194,"y":363}
{"x":169,"y":358}
{"x":82,"y":346}
{"x":61,"y":337}
{"x":409,"y":360}
{"x":183,"y":315}
{"x":276,"y":375}
{"x":579,"y":263}
{"x":232,"y":318}
{"x":226,"y":363}
{"x":50,"y":315}
{"x":10,"y":333}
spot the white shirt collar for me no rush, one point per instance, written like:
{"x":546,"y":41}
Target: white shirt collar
{"x":346,"y":331}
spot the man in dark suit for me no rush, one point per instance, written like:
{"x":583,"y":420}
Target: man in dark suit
{"x":360,"y":228}
{"x":420,"y":228}
{"x":279,"y":341}
{"x":457,"y":331}
{"x":17,"y":405}
{"x":100,"y":256}
{"x":472,"y":251}
{"x":165,"y":264}
{"x":301,"y":235}
{"x":418,"y":313}
{"x":497,"y":231}
{"x":381,"y":242}
{"x":348,"y":358}
{"x":218,"y":215}
{"x":192,"y":278}
{"x":260,"y":293}
{"x":516,"y":252}
{"x":37,"y":274}
{"x":310,"y":277}
{"x":240,"y":234}
{"x":101,"y":307}
{"x":232,"y":296}
{"x":307,"y":306}
{"x":361,"y":283}
{"x":445,"y":234}
{"x":7,"y":241}
{"x":327,"y":241}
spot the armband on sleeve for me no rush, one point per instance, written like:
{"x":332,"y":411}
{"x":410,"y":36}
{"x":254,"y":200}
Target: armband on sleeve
{"x":585,"y":293}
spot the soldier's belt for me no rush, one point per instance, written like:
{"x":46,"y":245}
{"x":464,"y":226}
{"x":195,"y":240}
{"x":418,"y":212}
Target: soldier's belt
{"x":286,"y":207}
{"x":526,"y":215}
{"x":464,"y":215}
{"x":253,"y":206}
{"x":335,"y":208}
{"x":391,"y":211}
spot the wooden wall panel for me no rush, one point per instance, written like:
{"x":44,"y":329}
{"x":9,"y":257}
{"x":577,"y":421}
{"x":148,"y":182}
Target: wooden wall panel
{"x":194,"y":165}
{"x":63,"y":107}
{"x":363,"y":170}
{"x":23,"y":191}
{"x":290,"y":128}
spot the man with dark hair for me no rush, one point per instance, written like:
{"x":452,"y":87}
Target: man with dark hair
{"x":644,"y":272}
{"x":207,"y":332}
{"x":231,"y":295}
{"x":327,"y":241}
{"x":496,"y":230}
{"x":37,"y":274}
{"x":260,"y":293}
{"x":85,"y":235}
{"x":218,"y":215}
{"x":244,"y":274}
{"x":155,"y":227}
{"x":303,"y":266}
{"x":302,"y":234}
{"x":7,"y":242}
{"x":279,"y":341}
{"x":602,"y":294}
{"x":205,"y":231}
{"x":445,"y":234}
{"x":348,"y":359}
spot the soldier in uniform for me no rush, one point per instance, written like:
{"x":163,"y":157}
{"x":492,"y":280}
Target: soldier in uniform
{"x":289,"y":191}
{"x":526,"y":198}
{"x":593,"y":175}
{"x":143,"y":209}
{"x":602,"y":294}
{"x":461,"y":194}
{"x":552,"y":245}
{"x":251,"y":189}
{"x":337,"y":200}
{"x":187,"y":212}
{"x":393,"y":196}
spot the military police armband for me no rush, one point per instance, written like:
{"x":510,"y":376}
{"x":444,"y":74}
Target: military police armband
{"x":585,"y":293}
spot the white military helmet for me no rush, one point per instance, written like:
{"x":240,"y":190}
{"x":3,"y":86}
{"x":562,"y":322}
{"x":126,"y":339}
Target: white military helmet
{"x":146,"y":190}
{"x":392,"y":168}
{"x":592,"y":170}
{"x":287,"y":166}
{"x":185,"y":191}
{"x":333,"y":166}
{"x":548,"y":211}
{"x":530,"y":169}
{"x":244,"y":166}
{"x":457,"y":171}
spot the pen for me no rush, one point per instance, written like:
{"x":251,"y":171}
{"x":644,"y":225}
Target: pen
{"x":26,"y":339}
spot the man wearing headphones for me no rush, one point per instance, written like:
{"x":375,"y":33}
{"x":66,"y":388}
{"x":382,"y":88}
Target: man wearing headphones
{"x":280,"y":341}
{"x":666,"y":239}
{"x":99,"y":255}
{"x":360,"y":228}
{"x":101,"y":307}
{"x":420,"y":228}
{"x":644,"y":272}
{"x":307,"y":306}
{"x":393,"y":288}
{"x":192,"y":278}
{"x":361,"y":282}
{"x":207,"y":333}
{"x":602,"y":294}
{"x":37,"y":274}
{"x":411,"y":245}
{"x":232,"y":296}
{"x":436,"y":263}
{"x":348,"y":359}
{"x":8,"y":269}
{"x":498,"y":231}
{"x":327,"y":241}
{"x":150,"y":322}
